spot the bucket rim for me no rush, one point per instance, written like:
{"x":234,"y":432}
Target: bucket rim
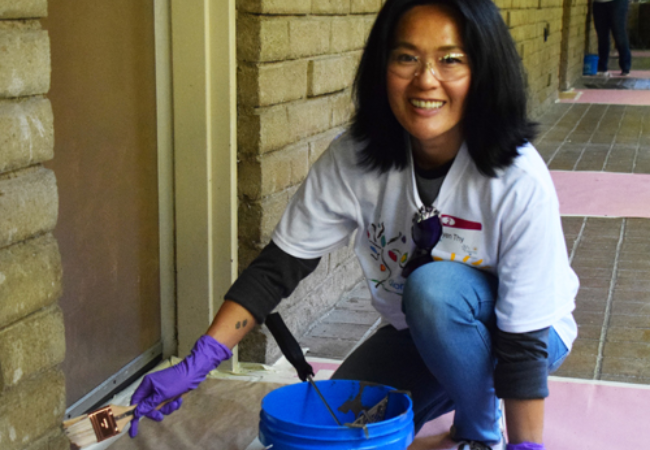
{"x":371,"y":426}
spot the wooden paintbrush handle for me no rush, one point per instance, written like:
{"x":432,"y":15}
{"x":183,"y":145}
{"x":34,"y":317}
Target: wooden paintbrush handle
{"x":119,"y":412}
{"x":123,"y":414}
{"x":124,"y":411}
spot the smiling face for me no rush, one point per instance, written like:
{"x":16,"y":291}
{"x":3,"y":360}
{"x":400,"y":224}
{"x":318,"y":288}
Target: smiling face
{"x":430,"y":110}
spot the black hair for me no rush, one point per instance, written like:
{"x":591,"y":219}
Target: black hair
{"x":495,"y":121}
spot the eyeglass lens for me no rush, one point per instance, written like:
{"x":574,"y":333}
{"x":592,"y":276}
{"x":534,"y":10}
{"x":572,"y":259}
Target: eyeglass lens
{"x":444,"y":66}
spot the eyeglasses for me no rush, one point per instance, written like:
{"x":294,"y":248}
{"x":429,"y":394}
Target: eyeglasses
{"x":426,"y":232}
{"x":445,"y":66}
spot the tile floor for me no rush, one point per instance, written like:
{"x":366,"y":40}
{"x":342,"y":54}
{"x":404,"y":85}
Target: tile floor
{"x":610,"y":255}
{"x":613,"y":304}
{"x":613,"y":138}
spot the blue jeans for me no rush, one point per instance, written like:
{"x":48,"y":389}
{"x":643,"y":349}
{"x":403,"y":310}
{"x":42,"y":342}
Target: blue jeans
{"x":612,"y":17}
{"x":445,"y":358}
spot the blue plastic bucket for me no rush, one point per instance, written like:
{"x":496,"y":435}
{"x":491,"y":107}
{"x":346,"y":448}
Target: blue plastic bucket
{"x":294,"y":417}
{"x":590,"y":65}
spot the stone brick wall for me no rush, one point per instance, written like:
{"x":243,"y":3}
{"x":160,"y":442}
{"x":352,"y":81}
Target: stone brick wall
{"x":32,"y":341}
{"x":538,"y":28}
{"x":297,"y":60}
{"x":574,"y":33}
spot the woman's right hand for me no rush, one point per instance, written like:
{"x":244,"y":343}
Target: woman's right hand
{"x":174,"y":381}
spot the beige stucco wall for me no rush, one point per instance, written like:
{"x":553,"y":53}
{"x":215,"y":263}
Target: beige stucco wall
{"x":32,"y":342}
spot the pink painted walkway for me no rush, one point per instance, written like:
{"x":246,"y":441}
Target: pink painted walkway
{"x":586,"y":415}
{"x":614,"y":96}
{"x":610,"y":97}
{"x":603,"y":194}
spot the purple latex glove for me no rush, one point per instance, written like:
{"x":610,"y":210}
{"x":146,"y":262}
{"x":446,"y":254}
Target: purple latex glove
{"x":525,"y":446}
{"x":167,"y":384}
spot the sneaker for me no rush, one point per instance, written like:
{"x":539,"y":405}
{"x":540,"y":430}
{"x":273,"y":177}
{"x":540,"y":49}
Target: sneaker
{"x":625,"y":74}
{"x":604,"y":74}
{"x":474,"y":445}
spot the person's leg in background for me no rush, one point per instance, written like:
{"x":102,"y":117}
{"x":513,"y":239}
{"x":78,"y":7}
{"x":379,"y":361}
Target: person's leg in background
{"x":449,"y":308}
{"x":619,"y":32}
{"x":602,"y":23}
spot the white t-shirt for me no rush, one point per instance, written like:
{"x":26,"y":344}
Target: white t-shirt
{"x":508,"y":226}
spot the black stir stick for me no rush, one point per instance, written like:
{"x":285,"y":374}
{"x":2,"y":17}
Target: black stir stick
{"x":291,"y":351}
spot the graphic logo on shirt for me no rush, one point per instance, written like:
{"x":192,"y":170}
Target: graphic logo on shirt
{"x":457,"y":222}
{"x":391,"y":256}
{"x":460,"y":238}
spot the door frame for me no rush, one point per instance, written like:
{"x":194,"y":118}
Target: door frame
{"x":201,"y":171}
{"x":165,"y":144}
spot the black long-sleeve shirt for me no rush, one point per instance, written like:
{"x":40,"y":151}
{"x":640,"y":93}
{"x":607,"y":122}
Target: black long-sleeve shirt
{"x":521,"y":370}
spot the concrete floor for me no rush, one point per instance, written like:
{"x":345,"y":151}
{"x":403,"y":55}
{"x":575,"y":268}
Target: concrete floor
{"x":610,"y":255}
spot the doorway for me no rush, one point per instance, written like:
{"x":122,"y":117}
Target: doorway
{"x":103,"y":94}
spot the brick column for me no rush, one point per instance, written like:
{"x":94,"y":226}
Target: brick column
{"x":536,"y":27}
{"x":574,"y":35}
{"x":296,"y":63}
{"x":32,"y":340}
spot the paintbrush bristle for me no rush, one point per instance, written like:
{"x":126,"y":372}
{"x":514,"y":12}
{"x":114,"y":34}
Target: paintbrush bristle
{"x":98,"y":425}
{"x":81,"y":433}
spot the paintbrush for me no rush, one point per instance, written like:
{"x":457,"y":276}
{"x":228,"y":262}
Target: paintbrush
{"x":291,"y":350}
{"x":101,"y":424}
{"x":98,"y":425}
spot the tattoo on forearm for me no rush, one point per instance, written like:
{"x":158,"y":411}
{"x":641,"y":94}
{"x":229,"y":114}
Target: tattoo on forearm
{"x":245,"y":323}
{"x":239,"y":324}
